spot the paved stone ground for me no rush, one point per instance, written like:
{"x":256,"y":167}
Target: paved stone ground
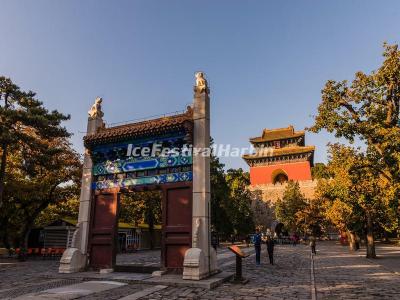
{"x":14,"y":274}
{"x":20,"y":278}
{"x":153,"y":257}
{"x":341,"y":274}
{"x":150,"y":257}
{"x":116,"y":293}
{"x":289,"y":278}
{"x":388,"y":256}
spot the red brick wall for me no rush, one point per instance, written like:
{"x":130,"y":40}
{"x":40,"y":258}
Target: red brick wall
{"x":295,"y":171}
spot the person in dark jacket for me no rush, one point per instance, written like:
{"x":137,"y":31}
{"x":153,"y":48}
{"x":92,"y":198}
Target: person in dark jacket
{"x":313,"y":242}
{"x":270,"y":249}
{"x":257,"y":246}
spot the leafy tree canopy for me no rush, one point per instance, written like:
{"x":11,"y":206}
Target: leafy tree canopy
{"x":368,"y":110}
{"x":287,"y":208}
{"x":38,"y":166}
{"x":320,"y":171}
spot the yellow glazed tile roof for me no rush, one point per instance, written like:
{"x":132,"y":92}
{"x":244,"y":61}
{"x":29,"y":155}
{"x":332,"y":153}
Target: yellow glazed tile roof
{"x":277,"y":134}
{"x":280,"y":151}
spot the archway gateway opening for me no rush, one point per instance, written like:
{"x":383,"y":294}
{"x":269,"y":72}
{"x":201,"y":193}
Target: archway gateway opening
{"x":145,"y":246}
{"x":134,"y":167}
{"x":139,"y":231}
{"x":139,"y":227}
{"x":162,"y":154}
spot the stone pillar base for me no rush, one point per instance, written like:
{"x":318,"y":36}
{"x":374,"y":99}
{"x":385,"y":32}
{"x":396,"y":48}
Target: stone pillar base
{"x":195,"y":265}
{"x":72,"y":261}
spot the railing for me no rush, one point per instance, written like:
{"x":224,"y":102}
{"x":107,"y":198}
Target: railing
{"x":133,"y":241}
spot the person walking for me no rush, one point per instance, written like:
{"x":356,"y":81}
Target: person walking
{"x":214,"y":240}
{"x":270,"y":249}
{"x":313,"y":242}
{"x":257,"y":246}
{"x":295,"y":239}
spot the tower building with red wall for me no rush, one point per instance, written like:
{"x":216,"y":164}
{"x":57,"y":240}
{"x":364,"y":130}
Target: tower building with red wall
{"x":280,"y":155}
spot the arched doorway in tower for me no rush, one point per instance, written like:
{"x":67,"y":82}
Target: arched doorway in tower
{"x":279,"y":176}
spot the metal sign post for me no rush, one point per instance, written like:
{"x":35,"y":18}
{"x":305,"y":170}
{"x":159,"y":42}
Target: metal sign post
{"x":239,"y":257}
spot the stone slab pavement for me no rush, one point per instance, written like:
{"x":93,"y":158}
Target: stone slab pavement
{"x":153,"y":257}
{"x":21,"y":278}
{"x":338,"y":274}
{"x":290,"y":275}
{"x":289,"y":278}
{"x":148,"y":257}
{"x":388,"y":256}
{"x":341,"y":274}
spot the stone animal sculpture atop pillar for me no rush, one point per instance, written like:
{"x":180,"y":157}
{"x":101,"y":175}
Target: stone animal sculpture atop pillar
{"x":95,"y":111}
{"x":201,"y":83}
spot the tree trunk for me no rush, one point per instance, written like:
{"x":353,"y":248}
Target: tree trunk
{"x":24,"y":242}
{"x":3,"y":158}
{"x":370,"y":238}
{"x":357,"y":242}
{"x":30,"y":220}
{"x":398,"y":231}
{"x":151,"y":232}
{"x":3,"y":172}
{"x":26,"y":238}
{"x":352,"y":241}
{"x":4,"y":237}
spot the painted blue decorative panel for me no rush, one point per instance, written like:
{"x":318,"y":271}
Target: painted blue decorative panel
{"x":126,"y":163}
{"x":137,"y":164}
{"x":156,"y":179}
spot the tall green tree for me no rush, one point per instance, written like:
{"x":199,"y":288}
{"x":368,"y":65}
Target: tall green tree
{"x":368,"y":110}
{"x":37,"y":163}
{"x":220,"y":201}
{"x":263,"y":211}
{"x":24,"y":124}
{"x":65,"y":208}
{"x":240,"y":212}
{"x":340,"y":206}
{"x":320,"y":171}
{"x":230,"y":202}
{"x":37,"y":179}
{"x":355,"y":196}
{"x":311,"y":219}
{"x":287,"y":208}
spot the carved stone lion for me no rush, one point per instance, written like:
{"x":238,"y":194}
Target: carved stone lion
{"x":95,"y":110}
{"x":201,"y":82}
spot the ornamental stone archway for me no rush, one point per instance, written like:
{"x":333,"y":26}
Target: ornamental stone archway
{"x":110,"y":168}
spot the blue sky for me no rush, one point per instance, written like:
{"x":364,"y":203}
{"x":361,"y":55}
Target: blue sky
{"x":266,"y":61}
